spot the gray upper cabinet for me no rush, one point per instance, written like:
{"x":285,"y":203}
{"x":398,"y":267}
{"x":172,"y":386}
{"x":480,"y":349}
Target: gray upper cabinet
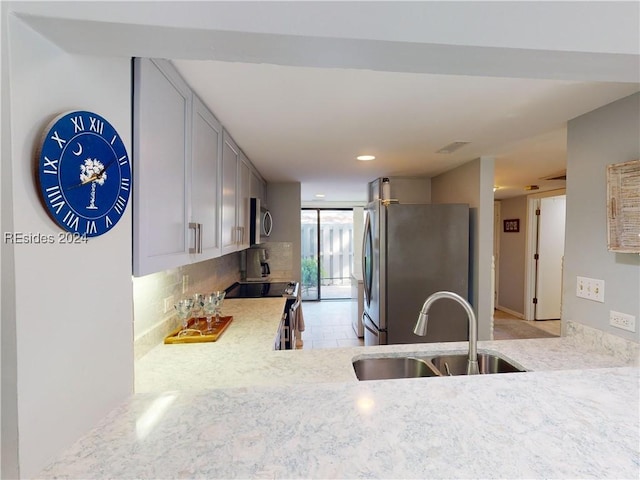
{"x":206,"y":151}
{"x":236,"y":178}
{"x":192,"y":183}
{"x":258,"y":188}
{"x":229,"y":224}
{"x":244,"y":205}
{"x":161,"y":121}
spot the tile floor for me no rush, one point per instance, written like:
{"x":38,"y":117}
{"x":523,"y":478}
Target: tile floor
{"x":328,"y":325}
{"x":508,"y":327}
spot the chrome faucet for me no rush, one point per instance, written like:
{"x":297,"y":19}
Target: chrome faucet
{"x":423,"y":319}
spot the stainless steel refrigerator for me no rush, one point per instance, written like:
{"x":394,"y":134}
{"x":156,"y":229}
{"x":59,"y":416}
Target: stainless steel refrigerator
{"x":410,"y":252}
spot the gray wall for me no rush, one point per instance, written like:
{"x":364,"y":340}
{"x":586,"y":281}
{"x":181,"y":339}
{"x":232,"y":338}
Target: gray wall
{"x":512,"y":256}
{"x":284,"y":204}
{"x":472,"y":183}
{"x":599,"y":138}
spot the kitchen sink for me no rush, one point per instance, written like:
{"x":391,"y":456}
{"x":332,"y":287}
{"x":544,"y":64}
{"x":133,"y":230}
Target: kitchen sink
{"x":392,"y":367}
{"x":381,"y":368}
{"x":457,"y":364}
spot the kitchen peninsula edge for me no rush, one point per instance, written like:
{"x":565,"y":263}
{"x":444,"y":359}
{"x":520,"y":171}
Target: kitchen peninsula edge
{"x":239,"y":409}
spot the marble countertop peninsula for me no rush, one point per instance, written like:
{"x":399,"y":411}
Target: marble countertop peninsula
{"x":225,"y":411}
{"x":244,"y":355}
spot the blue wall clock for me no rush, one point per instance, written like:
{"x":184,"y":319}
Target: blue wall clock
{"x":84,"y":173}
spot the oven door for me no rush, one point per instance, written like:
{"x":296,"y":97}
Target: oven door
{"x":282,"y":335}
{"x":372,"y":335}
{"x":286,"y":336}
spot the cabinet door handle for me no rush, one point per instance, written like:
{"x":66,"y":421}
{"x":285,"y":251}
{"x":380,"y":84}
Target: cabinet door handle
{"x":197,"y":238}
{"x":199,"y":247}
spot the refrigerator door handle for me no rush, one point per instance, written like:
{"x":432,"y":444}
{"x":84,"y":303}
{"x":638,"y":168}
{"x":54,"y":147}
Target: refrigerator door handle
{"x":367,"y":252}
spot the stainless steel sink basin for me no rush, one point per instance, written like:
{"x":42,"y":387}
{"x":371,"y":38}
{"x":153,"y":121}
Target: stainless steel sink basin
{"x":381,"y":368}
{"x":457,"y":364}
{"x":392,"y":367}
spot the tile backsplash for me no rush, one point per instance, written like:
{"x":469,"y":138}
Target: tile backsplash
{"x":151,"y":323}
{"x":280,"y":260}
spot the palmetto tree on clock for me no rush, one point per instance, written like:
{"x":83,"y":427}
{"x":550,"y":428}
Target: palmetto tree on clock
{"x":92,"y":170}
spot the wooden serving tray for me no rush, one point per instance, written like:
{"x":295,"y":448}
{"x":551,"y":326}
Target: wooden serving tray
{"x":199,"y":325}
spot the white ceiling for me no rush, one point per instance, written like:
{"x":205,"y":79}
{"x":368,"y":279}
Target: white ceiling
{"x":304,"y":87}
{"x":308,"y":124}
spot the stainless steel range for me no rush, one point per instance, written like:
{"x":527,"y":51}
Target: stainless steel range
{"x":262,"y":289}
{"x":288,"y":331}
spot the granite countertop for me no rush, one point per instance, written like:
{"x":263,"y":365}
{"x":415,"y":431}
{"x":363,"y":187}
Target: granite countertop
{"x":258,"y":413}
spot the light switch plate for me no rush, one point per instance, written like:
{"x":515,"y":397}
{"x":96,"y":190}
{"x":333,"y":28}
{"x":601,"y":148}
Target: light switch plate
{"x":168,"y":304}
{"x":590,"y":288}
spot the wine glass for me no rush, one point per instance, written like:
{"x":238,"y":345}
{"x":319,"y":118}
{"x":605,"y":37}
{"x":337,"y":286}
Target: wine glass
{"x":184,"y":308}
{"x":198,"y":303}
{"x":209,"y":306}
{"x":218,"y":297}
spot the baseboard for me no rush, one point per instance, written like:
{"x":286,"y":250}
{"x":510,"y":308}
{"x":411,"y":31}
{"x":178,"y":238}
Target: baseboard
{"x":510,"y":312}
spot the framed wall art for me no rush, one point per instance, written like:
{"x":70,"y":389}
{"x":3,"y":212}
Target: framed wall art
{"x":623,"y":207}
{"x":512,"y":225}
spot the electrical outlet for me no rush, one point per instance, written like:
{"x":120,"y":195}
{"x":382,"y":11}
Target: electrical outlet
{"x":168,"y":304}
{"x":185,"y":283}
{"x":622,"y":320}
{"x":590,"y":288}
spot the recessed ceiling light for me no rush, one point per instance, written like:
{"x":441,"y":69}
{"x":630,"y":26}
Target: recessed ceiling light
{"x":365,"y":158}
{"x":319,"y":195}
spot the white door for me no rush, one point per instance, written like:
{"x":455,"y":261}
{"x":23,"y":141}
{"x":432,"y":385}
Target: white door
{"x":551,"y":225}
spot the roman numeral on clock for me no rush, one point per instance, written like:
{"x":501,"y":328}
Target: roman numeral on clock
{"x":97,"y":125}
{"x":71,"y":220}
{"x":91,"y":227}
{"x":78,"y":124}
{"x":52,"y":164}
{"x":120,"y":204}
{"x":55,"y":198}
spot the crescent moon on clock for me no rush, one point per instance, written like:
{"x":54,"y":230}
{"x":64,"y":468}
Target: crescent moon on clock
{"x":79,"y":152}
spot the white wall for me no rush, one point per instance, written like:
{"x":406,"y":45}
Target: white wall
{"x":525,"y":39}
{"x":599,"y":138}
{"x":604,"y":26}
{"x":73,"y":303}
{"x":472,"y":183}
{"x":8,"y":363}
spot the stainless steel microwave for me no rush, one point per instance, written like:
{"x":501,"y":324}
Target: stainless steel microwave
{"x":261,"y":223}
